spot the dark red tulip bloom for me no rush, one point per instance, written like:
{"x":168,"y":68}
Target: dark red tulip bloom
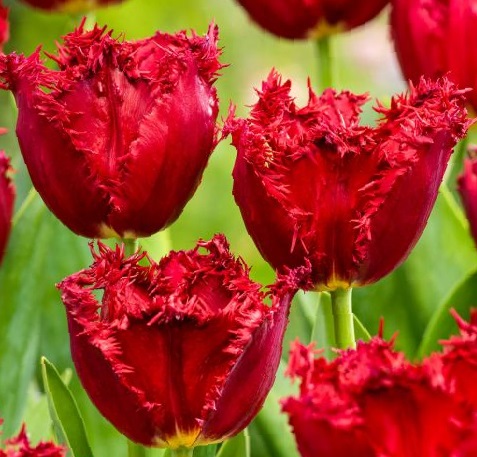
{"x":70,"y":6}
{"x":467,"y":186}
{"x":117,"y":139}
{"x":4,"y":25}
{"x":373,"y":401}
{"x":20,"y":446}
{"x":181,"y":353}
{"x":433,"y":38}
{"x":313,"y":184}
{"x":311,"y":18}
{"x":7,"y":195}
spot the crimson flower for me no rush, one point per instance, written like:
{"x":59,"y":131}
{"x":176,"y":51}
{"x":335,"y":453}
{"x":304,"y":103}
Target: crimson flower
{"x":433,"y":38}
{"x":311,"y":18}
{"x":4,"y":25}
{"x":70,"y":6}
{"x":7,"y":195}
{"x":182,"y":352}
{"x":20,"y":446}
{"x":313,"y":184}
{"x":467,"y":187}
{"x":117,"y":139}
{"x":375,"y":402}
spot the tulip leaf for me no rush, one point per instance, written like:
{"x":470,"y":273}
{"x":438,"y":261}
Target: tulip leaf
{"x":323,"y":333}
{"x":360,"y":331}
{"x":67,"y":422}
{"x":462,"y":298}
{"x":205,"y":451}
{"x":238,"y":446}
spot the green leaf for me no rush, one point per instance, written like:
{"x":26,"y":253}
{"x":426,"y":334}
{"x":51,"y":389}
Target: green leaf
{"x":323,"y":333}
{"x":67,"y":421}
{"x":462,"y":298}
{"x":205,"y":451}
{"x":238,"y":446}
{"x":360,"y":331}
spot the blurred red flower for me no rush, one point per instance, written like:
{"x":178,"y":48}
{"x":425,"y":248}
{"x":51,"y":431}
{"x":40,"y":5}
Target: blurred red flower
{"x":433,"y":38}
{"x":117,"y":139}
{"x":7,"y":195}
{"x":375,"y":402}
{"x":311,"y":18}
{"x":313,"y":184}
{"x":467,"y":187}
{"x":20,"y":447}
{"x":4,"y":25}
{"x":181,"y":353}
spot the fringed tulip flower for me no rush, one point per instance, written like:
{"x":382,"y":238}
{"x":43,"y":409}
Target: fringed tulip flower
{"x":70,"y":6}
{"x":117,"y":139}
{"x":7,"y":195}
{"x":313,"y":184}
{"x":374,"y":402}
{"x":434,"y":38}
{"x":20,"y":446}
{"x":181,"y":353}
{"x":311,"y":18}
{"x":467,"y":187}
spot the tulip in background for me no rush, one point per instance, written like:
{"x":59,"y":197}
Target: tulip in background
{"x":7,"y":195}
{"x":314,"y":185}
{"x":311,"y":18}
{"x":20,"y":446}
{"x":183,"y":352}
{"x":467,"y":187}
{"x":375,"y":402}
{"x":4,"y":25}
{"x":117,"y":139}
{"x":70,"y":6}
{"x":434,"y":38}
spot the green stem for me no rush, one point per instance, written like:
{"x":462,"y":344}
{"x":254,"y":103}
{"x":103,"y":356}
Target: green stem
{"x":136,"y":450}
{"x":32,"y":193}
{"x":130,"y":246}
{"x":343,"y":318}
{"x":182,"y":452}
{"x":325,"y":74}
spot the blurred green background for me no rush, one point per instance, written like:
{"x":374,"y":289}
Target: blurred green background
{"x":42,"y":252}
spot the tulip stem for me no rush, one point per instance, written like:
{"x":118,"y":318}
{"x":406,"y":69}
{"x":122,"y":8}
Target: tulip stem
{"x":131,"y":245}
{"x":136,"y":450}
{"x":325,"y":74}
{"x":343,"y":318}
{"x":182,"y":452}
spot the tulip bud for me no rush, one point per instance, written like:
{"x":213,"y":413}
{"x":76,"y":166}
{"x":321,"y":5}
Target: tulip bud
{"x":432,"y":38}
{"x":178,"y":353}
{"x":117,"y":139}
{"x":7,"y":195}
{"x":70,"y":6}
{"x":314,"y":185}
{"x":311,"y":18}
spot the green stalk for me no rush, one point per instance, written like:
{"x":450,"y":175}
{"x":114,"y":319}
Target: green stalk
{"x":136,"y":450}
{"x":325,"y":74}
{"x":182,"y":452}
{"x":130,"y":246}
{"x":343,"y":318}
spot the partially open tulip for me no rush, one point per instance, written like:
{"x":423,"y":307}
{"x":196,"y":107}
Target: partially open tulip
{"x":467,"y":187}
{"x":178,"y":353}
{"x":313,"y":184}
{"x":434,"y":38}
{"x":116,"y":139}
{"x":311,"y":18}
{"x":7,"y":195}
{"x":372,"y":402}
{"x":70,"y":6}
{"x":20,"y":446}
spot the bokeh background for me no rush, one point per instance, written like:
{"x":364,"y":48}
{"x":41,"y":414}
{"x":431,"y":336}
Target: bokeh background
{"x":42,"y":251}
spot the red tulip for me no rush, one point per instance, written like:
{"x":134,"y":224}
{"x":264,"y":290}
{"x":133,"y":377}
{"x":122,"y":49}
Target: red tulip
{"x":313,"y":184}
{"x":433,"y":38}
{"x":7,"y":195}
{"x":375,"y":403}
{"x":311,"y":18}
{"x":20,"y":447}
{"x":181,"y":353}
{"x":117,"y":139}
{"x":467,"y":187}
{"x":70,"y":6}
{"x":4,"y":25}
